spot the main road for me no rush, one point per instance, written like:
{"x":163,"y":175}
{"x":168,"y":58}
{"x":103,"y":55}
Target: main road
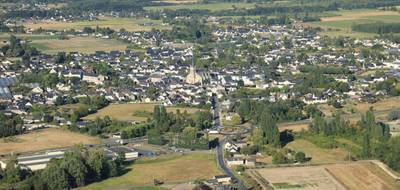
{"x":220,"y":152}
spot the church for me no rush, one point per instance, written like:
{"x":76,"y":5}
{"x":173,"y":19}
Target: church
{"x":197,"y":77}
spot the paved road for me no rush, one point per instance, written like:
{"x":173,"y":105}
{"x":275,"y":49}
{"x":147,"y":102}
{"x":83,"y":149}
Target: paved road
{"x":220,"y":152}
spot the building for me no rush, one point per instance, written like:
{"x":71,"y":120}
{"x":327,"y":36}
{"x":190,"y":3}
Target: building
{"x":37,"y":161}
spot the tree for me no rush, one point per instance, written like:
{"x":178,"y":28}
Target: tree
{"x":300,"y":156}
{"x":279,"y":158}
{"x":257,"y":137}
{"x":12,"y":173}
{"x":54,"y":176}
{"x":96,"y":160}
{"x":74,"y":164}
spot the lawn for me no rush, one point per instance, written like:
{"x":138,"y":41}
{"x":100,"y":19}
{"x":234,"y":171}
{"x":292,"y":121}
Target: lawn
{"x":210,"y":6}
{"x":170,"y":169}
{"x":341,"y":24}
{"x":130,"y":24}
{"x":78,"y":44}
{"x":133,"y":111}
{"x":318,"y":155}
{"x":43,"y":139}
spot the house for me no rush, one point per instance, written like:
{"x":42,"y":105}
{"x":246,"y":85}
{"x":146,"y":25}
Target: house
{"x":224,"y":179}
{"x":239,"y":159}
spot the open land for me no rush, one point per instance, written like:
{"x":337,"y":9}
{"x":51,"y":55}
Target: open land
{"x":171,"y":169}
{"x":342,"y":23}
{"x":78,"y":44}
{"x":126,"y":112}
{"x":357,"y":176}
{"x":44,"y":139}
{"x":318,"y":155}
{"x":129,"y":24}
{"x":210,"y":6}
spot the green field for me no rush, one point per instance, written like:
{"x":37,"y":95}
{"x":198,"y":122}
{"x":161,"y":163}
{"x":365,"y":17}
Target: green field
{"x":345,"y":19}
{"x":78,"y":44}
{"x":133,"y":112}
{"x":130,"y":24}
{"x":170,"y":169}
{"x":318,"y":155}
{"x":210,"y":7}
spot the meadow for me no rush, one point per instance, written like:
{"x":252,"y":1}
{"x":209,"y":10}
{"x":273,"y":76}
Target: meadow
{"x":129,"y":24}
{"x":210,"y":6}
{"x":340,"y":22}
{"x":133,"y":111}
{"x":170,"y":169}
{"x":78,"y":44}
{"x":44,"y":139}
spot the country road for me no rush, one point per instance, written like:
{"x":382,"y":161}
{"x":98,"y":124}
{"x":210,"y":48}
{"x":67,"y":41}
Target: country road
{"x":219,"y":149}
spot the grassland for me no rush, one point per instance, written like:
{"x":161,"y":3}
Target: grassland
{"x":345,"y":19}
{"x":318,"y":155}
{"x":129,"y":24}
{"x":44,"y":139}
{"x":78,"y":44}
{"x":210,"y":6}
{"x":170,"y":169}
{"x":128,"y":112}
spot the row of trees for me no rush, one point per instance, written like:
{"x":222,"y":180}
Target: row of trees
{"x":79,"y":167}
{"x":378,"y":27}
{"x":372,"y":136}
{"x":10,"y":125}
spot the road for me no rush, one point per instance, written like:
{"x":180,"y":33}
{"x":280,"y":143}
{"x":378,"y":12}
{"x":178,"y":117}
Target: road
{"x":220,"y":152}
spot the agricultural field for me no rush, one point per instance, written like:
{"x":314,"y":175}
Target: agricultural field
{"x":210,"y":6}
{"x":170,"y":169}
{"x":343,"y":21}
{"x":78,"y":44}
{"x":44,"y":139}
{"x":129,"y":24}
{"x":318,"y":155}
{"x":133,"y":112}
{"x":357,"y":176}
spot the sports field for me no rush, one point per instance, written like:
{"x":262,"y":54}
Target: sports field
{"x":43,"y":139}
{"x":130,"y":24}
{"x":345,"y":19}
{"x":78,"y":44}
{"x":355,"y":176}
{"x":170,"y":169}
{"x":133,"y":112}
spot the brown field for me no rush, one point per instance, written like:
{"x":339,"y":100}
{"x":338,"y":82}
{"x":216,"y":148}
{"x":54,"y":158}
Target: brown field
{"x":125,"y":112}
{"x":78,"y":44}
{"x":171,"y":169}
{"x":358,"y":14}
{"x":354,"y":176}
{"x":293,"y":126}
{"x":129,"y":24}
{"x":363,"y":176}
{"x":45,"y":139}
{"x":307,"y":178}
{"x":318,"y":155}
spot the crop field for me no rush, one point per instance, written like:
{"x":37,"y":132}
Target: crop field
{"x":345,"y":19}
{"x":357,"y":176}
{"x":318,"y":155}
{"x":129,"y":24}
{"x":78,"y":44}
{"x":365,"y":176}
{"x":210,"y":6}
{"x":44,"y":139}
{"x":170,"y":169}
{"x":130,"y":112}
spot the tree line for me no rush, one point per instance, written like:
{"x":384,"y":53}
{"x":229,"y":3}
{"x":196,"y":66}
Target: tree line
{"x":78,"y":168}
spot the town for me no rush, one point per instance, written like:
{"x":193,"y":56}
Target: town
{"x":199,"y":94}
